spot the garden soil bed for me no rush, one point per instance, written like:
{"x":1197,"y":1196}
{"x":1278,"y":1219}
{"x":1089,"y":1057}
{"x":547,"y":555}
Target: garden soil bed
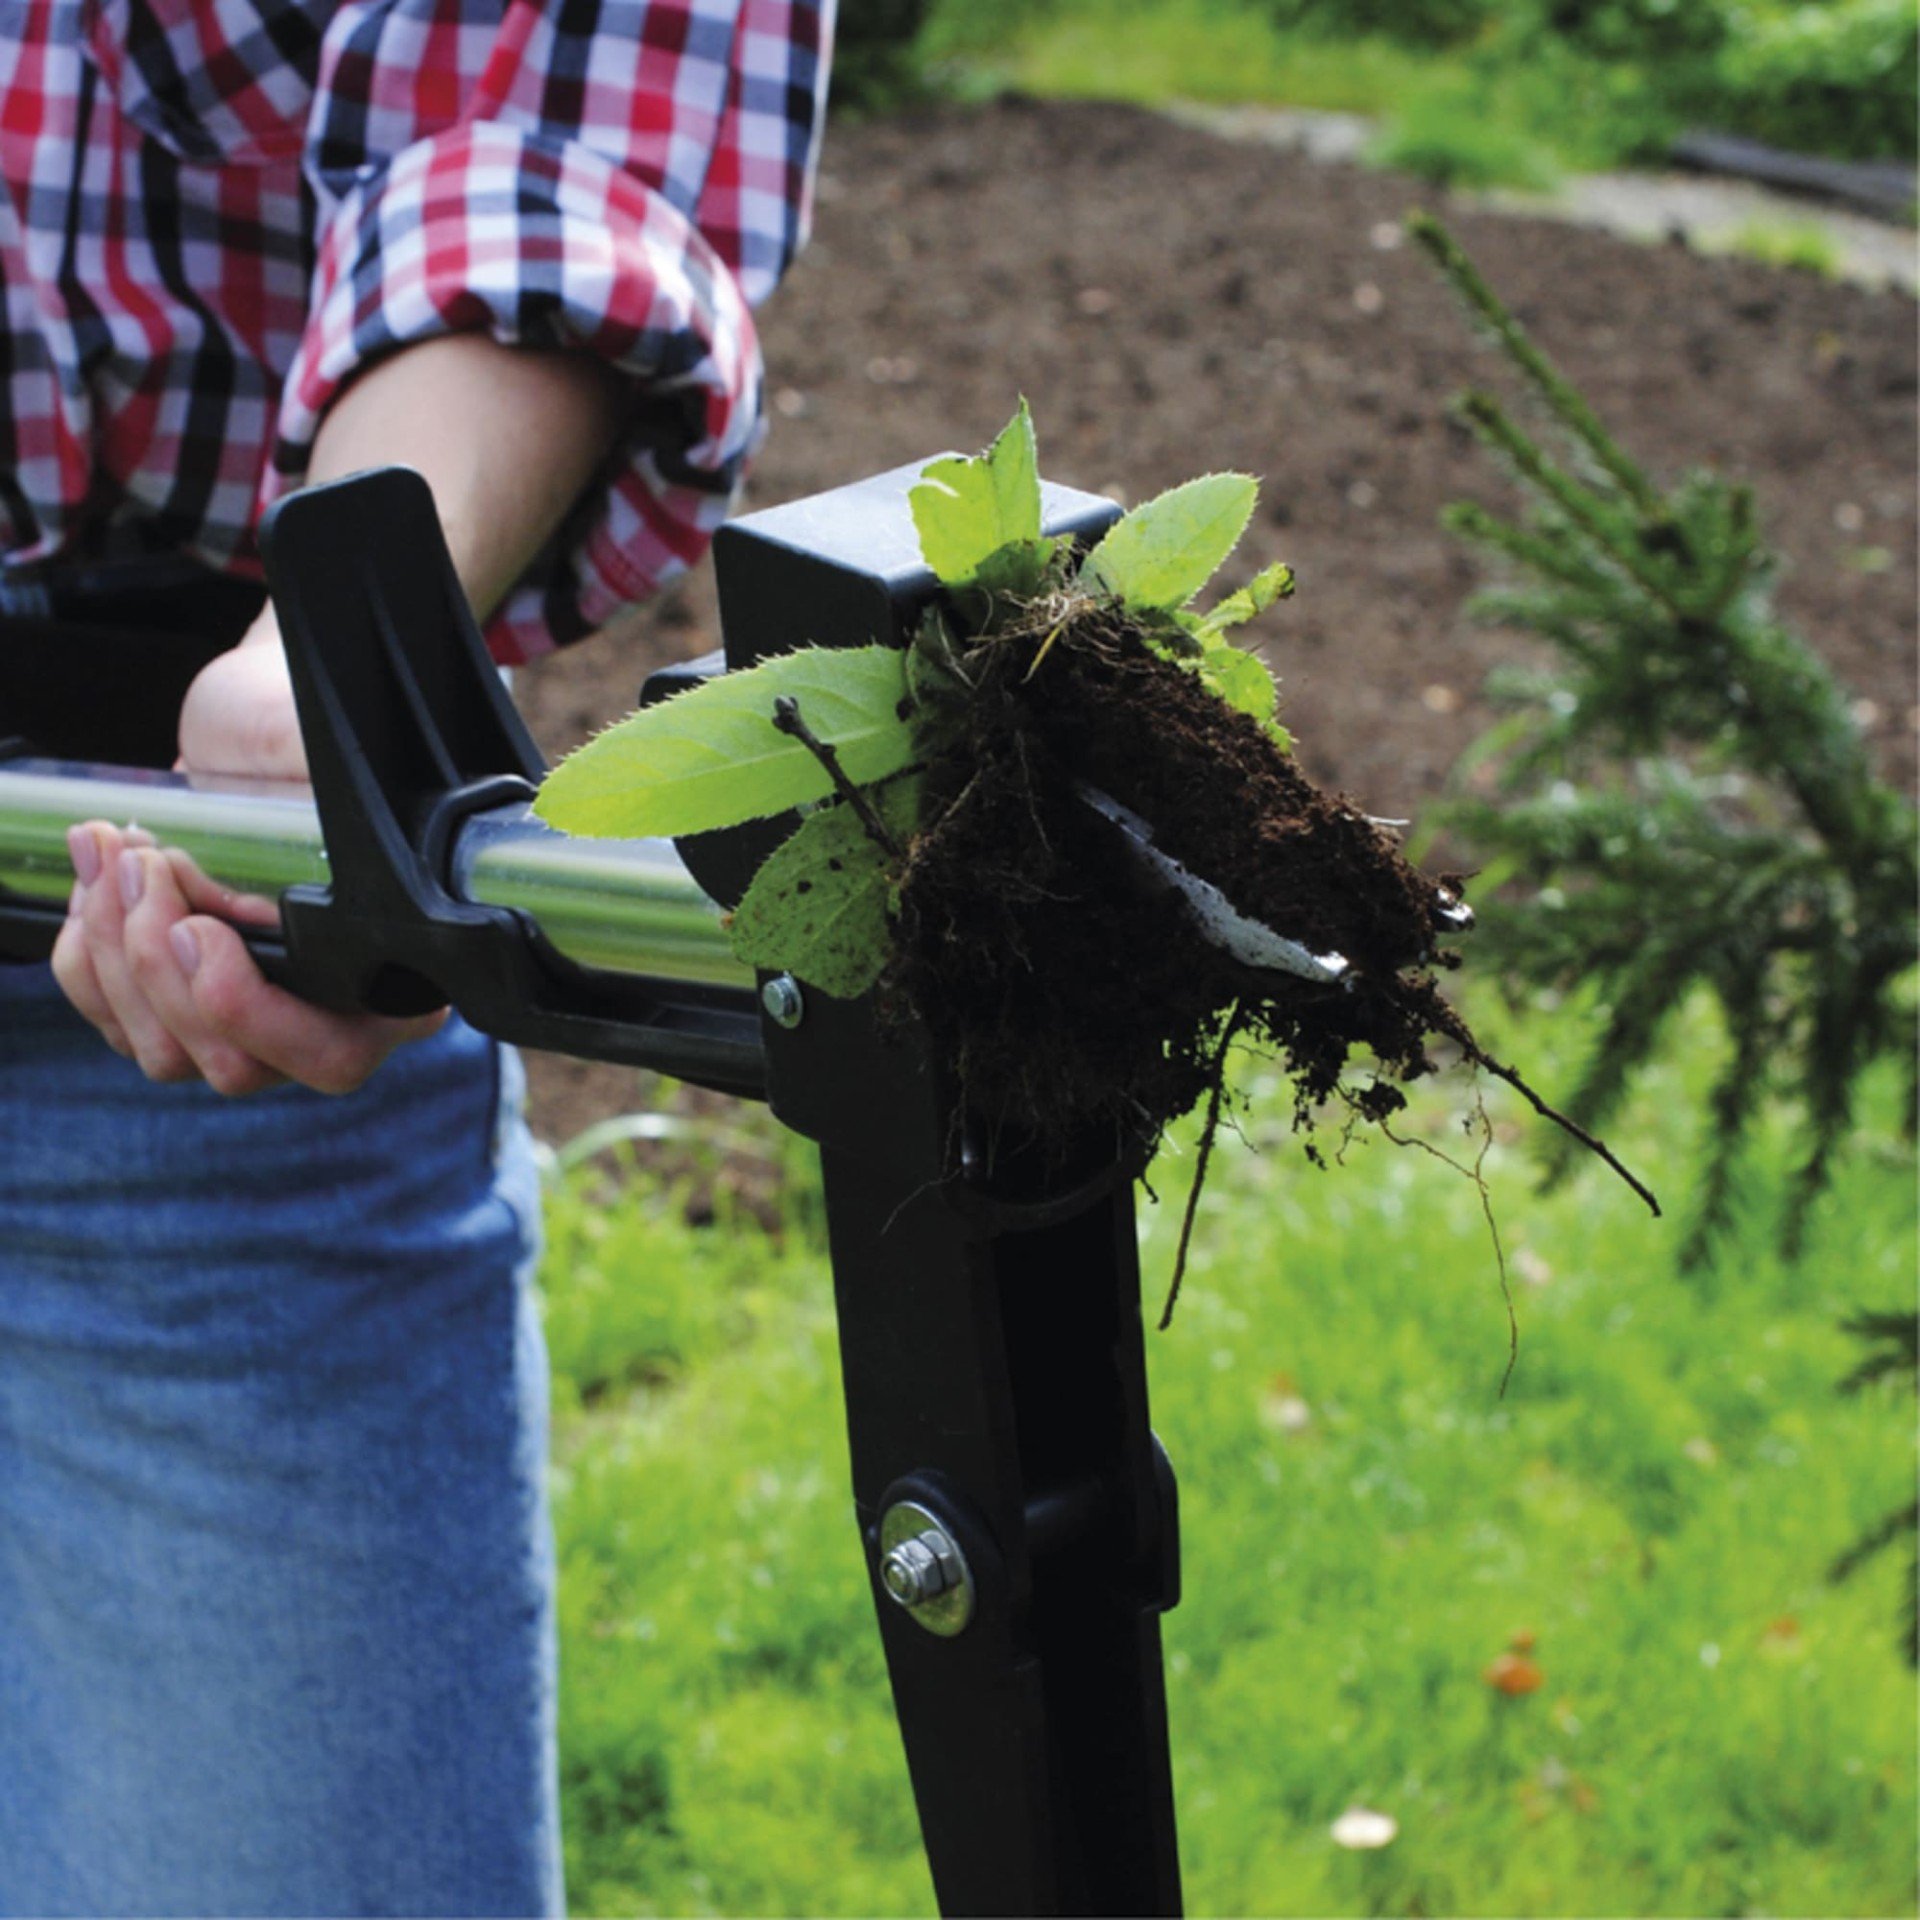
{"x":1170,"y":302}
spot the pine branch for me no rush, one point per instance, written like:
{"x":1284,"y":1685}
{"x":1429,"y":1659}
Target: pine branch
{"x":1491,"y":423}
{"x":1556,"y":559}
{"x":1734,"y":1095}
{"x":1895,"y":1335}
{"x":1877,"y":1538}
{"x":1737,"y":839}
{"x":1568,"y":405}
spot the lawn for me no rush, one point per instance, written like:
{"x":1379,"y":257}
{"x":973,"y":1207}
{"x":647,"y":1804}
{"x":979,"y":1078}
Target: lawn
{"x":1479,"y":92}
{"x":1646,"y":1517}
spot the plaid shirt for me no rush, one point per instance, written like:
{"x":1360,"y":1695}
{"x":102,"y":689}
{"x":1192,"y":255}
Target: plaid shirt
{"x":213,"y":211}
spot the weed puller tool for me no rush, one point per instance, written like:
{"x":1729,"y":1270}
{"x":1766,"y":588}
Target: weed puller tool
{"x":1018,"y":1513}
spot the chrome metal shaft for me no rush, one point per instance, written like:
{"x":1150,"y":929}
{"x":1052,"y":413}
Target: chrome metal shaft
{"x":626,"y":906}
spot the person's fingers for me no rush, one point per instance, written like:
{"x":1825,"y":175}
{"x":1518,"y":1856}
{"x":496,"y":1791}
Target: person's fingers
{"x":90,"y":847}
{"x":73,"y":970}
{"x":329,"y":1052}
{"x":203,"y":895}
{"x":157,"y":962}
{"x":148,"y":955}
{"x":109,"y":896}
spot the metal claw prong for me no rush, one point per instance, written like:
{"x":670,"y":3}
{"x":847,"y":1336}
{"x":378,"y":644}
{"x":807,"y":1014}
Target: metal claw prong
{"x":1221,"y":923}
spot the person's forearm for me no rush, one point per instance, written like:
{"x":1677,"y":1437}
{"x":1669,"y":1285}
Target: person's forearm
{"x":506,"y":438}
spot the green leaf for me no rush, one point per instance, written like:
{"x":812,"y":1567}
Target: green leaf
{"x":712,"y":757}
{"x":1172,"y":632}
{"x":1240,"y":679}
{"x":1268,"y":585}
{"x":979,"y":518}
{"x":818,"y":907}
{"x":1163,"y":552}
{"x":936,"y":685}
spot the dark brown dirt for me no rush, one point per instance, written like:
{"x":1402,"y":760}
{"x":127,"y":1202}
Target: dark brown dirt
{"x":1170,"y":303}
{"x":1229,"y":806}
{"x":1074,"y":996}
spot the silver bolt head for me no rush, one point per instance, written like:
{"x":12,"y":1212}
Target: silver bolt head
{"x":786,"y":1006}
{"x":923,"y":1570}
{"x":915,"y":1571}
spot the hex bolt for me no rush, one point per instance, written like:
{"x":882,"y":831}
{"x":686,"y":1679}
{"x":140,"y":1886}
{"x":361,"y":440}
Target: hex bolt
{"x":916,"y":1570}
{"x":923,"y":1570}
{"x":785,"y":1005}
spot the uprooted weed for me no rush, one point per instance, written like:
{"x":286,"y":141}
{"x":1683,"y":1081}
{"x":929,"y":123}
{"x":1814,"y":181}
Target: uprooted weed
{"x":1069,"y":991}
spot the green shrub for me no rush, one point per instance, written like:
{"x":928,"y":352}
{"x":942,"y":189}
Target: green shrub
{"x":1628,"y":29}
{"x":1429,"y":23}
{"x":875,"y":65}
{"x":1839,"y":78}
{"x":1596,"y":84}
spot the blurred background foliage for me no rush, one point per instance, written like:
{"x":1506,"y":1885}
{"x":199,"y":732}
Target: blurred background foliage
{"x":1537,"y":83}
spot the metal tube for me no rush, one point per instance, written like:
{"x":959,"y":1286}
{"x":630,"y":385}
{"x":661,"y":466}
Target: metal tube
{"x":625,"y":906}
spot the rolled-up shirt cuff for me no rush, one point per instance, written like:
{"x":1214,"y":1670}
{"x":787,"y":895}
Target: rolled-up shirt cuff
{"x":543,"y":243}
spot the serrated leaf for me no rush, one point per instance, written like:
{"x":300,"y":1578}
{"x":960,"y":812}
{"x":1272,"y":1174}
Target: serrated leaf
{"x":979,"y":517}
{"x":712,"y":757}
{"x":818,"y":906}
{"x":1268,"y":585}
{"x":1240,"y":679}
{"x":1163,"y":552}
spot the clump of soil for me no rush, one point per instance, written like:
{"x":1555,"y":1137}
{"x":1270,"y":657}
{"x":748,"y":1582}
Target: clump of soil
{"x":1070,"y":988}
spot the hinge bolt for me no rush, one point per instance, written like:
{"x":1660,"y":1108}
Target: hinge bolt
{"x":915,"y":1570}
{"x":923,"y":1569}
{"x":785,"y":1005}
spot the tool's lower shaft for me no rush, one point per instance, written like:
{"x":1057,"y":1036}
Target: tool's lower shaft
{"x":623,"y":906}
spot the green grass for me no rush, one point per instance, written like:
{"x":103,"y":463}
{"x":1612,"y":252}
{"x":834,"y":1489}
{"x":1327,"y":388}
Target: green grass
{"x":1789,"y":243}
{"x":1654,"y":1501}
{"x":1216,"y":50}
{"x":1447,"y":114}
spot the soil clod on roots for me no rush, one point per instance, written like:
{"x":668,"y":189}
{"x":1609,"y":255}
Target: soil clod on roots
{"x":1070,"y":990}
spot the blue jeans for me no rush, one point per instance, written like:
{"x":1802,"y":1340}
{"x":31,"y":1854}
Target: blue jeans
{"x":276,"y":1630}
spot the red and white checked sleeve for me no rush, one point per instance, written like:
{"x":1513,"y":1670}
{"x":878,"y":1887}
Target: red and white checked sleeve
{"x":613,"y":176}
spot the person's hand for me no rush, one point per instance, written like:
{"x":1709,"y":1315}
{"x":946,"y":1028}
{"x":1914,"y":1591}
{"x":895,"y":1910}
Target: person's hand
{"x":148,"y":953}
{"x":508,"y":438}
